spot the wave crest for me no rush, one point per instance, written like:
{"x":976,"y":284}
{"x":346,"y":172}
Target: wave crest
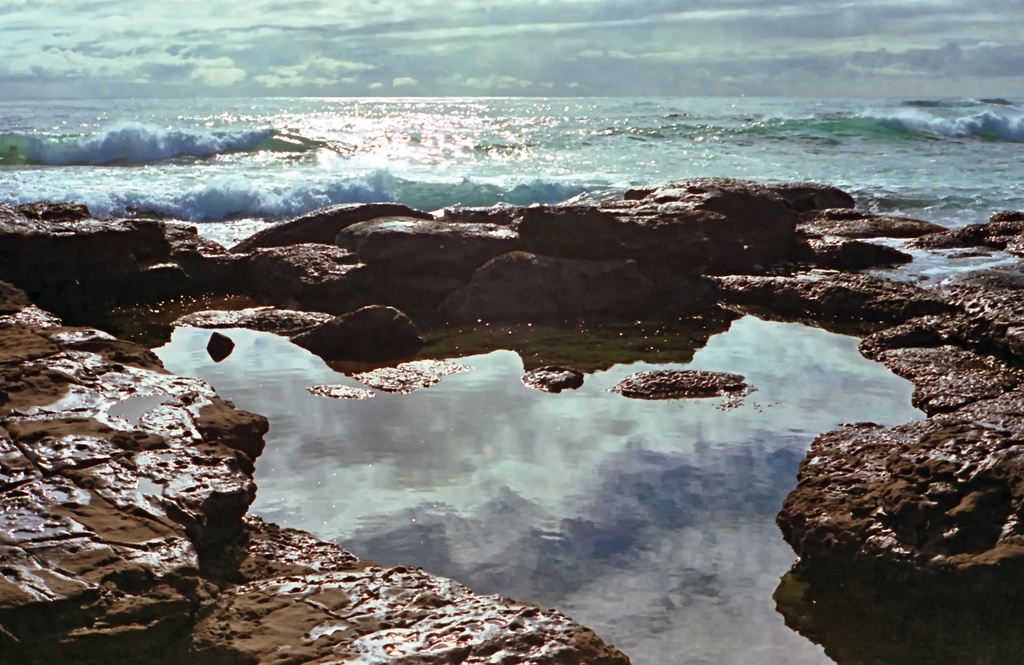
{"x":136,"y":143}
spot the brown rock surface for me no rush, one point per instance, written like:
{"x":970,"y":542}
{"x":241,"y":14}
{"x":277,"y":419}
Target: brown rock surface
{"x":680,"y":383}
{"x":314,"y":277}
{"x":286,"y":322}
{"x":373,"y":334}
{"x":553,"y":379}
{"x":850,"y":223}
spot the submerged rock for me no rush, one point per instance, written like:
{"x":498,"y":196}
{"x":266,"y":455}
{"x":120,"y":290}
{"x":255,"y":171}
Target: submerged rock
{"x":677,"y":384}
{"x":553,"y":379}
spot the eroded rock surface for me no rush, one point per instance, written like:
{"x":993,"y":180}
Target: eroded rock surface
{"x":680,"y":383}
{"x":553,"y":379}
{"x":373,"y":334}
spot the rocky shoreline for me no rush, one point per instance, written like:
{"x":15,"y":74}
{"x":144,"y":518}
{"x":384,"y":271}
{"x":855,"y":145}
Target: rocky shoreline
{"x":125,"y":489}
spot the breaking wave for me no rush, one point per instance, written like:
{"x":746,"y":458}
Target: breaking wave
{"x":135,"y":144}
{"x":236,"y":197}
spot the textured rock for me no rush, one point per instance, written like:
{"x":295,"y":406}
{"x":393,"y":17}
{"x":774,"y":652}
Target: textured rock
{"x":850,"y":223}
{"x":711,"y":226}
{"x":842,"y":254}
{"x":833,"y":298}
{"x":1005,"y":232}
{"x":286,"y":322}
{"x":322,"y":226}
{"x":676,"y":384}
{"x":314,"y":277}
{"x":410,"y":376}
{"x":373,"y":334}
{"x":553,"y":379}
{"x":523,"y":287}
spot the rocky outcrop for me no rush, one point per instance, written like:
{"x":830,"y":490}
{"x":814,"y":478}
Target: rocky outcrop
{"x":284,"y":322}
{"x":851,"y":223}
{"x":850,"y":255}
{"x":524,"y":287}
{"x":322,"y":226}
{"x":1005,"y":231}
{"x":123,"y":535}
{"x":371,"y":334}
{"x":321,"y":278}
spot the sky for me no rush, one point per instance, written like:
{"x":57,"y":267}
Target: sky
{"x":144,"y":48}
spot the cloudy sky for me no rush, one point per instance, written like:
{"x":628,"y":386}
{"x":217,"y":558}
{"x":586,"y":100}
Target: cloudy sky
{"x":138,"y":48}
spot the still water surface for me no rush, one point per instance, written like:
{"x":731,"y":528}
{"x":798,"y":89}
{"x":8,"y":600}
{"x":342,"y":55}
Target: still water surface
{"x":650,"y":522}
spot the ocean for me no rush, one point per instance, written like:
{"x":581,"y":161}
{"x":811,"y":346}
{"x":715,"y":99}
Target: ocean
{"x":230,"y":164}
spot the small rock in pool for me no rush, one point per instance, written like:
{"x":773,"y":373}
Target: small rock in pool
{"x":340,"y":392}
{"x":553,"y":379}
{"x":219,"y":347}
{"x":675,"y":384}
{"x":407,"y":377}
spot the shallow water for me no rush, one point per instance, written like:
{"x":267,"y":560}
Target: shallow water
{"x":651,"y":522}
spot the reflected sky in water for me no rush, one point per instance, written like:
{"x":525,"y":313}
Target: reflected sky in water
{"x":651,"y":522}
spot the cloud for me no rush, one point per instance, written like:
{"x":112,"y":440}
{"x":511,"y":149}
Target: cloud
{"x":606,"y":47}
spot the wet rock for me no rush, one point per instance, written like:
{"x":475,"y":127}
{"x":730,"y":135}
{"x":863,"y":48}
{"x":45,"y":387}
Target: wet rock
{"x":340,"y":392}
{"x":501,"y":214}
{"x":524,"y":287}
{"x":808,"y":197}
{"x":410,"y":376}
{"x":285,"y":322}
{"x":992,"y":308}
{"x":381,"y":614}
{"x":319,"y":278}
{"x":553,"y":379}
{"x":834,"y":298}
{"x":851,"y":223}
{"x":842,"y":254}
{"x":676,"y":384}
{"x":374,"y":334}
{"x":1004,"y":232}
{"x":53,"y":211}
{"x":711,"y":226}
{"x":322,"y":226}
{"x":219,"y":347}
{"x":948,"y":377}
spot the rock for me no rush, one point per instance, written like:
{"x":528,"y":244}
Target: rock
{"x":839,"y":298}
{"x":809,"y":197}
{"x":117,"y":481}
{"x":285,"y":322}
{"x":851,"y":223}
{"x":849,"y":255}
{"x":410,"y":376}
{"x":381,"y":615}
{"x":1005,"y":232}
{"x":322,"y":226}
{"x":54,"y":211}
{"x":219,"y":347}
{"x":320,"y":278}
{"x":340,"y":392}
{"x":676,"y":384}
{"x":372,"y":334}
{"x":991,"y":300}
{"x":523,"y":287}
{"x":710,"y":226}
{"x":1007,"y":216}
{"x":553,"y":379}
{"x":419,"y":262}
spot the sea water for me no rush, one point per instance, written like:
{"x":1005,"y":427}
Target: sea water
{"x":260,"y":160}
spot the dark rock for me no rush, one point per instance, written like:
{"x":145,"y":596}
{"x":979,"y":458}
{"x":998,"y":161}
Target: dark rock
{"x":417,"y":262}
{"x":523,"y":287}
{"x":851,"y":223}
{"x":837,"y":298}
{"x":286,"y":322}
{"x":676,"y":384}
{"x":219,"y":347}
{"x":322,"y":226}
{"x":51,"y":211}
{"x":842,"y":254}
{"x":501,"y":214}
{"x":712,"y":226}
{"x":1005,"y":233}
{"x":372,"y":334}
{"x":321,"y":278}
{"x":993,"y":304}
{"x":807,"y":197}
{"x":553,"y":379}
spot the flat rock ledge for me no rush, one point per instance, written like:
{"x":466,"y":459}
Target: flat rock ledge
{"x":680,"y":383}
{"x":124,"y":535}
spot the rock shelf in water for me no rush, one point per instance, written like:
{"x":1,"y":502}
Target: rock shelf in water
{"x":124,"y":535}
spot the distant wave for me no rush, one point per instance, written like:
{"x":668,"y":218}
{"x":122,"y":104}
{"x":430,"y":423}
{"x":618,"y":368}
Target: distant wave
{"x":986,"y":125}
{"x":134,"y":143}
{"x":956,"y":103}
{"x":240,"y":198}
